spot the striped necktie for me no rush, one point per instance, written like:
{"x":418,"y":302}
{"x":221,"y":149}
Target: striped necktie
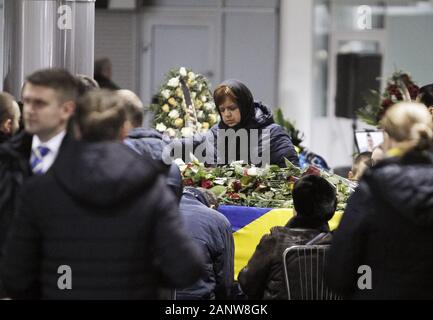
{"x":37,"y":157}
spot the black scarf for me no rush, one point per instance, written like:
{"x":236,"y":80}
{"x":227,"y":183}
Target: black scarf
{"x":245,"y":102}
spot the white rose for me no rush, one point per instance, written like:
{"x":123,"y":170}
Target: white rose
{"x":179,"y":162}
{"x":203,"y":98}
{"x":173,"y":114}
{"x":252,"y":171}
{"x":166,"y":93}
{"x":161,"y":127}
{"x":191,"y":75}
{"x":187,"y":132}
{"x":173,"y":82}
{"x":182,"y":72}
{"x":200,"y":114}
{"x":208,"y":106}
{"x":171,"y":132}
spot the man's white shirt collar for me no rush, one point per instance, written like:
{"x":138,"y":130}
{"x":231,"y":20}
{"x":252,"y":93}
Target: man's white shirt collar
{"x":53,"y":144}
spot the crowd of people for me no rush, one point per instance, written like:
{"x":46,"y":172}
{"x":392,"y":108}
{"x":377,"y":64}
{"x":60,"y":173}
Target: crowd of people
{"x":83,"y":184}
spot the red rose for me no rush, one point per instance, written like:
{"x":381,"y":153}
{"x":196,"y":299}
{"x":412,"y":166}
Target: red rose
{"x":236,"y":185}
{"x":413,"y":91}
{"x":386,"y":103}
{"x":312,"y":170}
{"x":207,"y":184}
{"x":245,"y":172}
{"x":392,"y":89}
{"x":188,"y":182}
{"x":234,"y":196}
{"x":189,"y":165}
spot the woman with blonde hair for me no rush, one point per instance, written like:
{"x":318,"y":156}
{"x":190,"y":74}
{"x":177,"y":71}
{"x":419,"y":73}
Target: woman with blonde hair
{"x":383,"y":248}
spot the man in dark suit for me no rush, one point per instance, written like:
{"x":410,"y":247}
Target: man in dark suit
{"x":49,"y":102}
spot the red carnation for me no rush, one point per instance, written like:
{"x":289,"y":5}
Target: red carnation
{"x":207,"y":184}
{"x":188,"y":182}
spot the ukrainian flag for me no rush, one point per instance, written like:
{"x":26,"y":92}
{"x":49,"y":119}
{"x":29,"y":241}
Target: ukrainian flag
{"x":250,"y":224}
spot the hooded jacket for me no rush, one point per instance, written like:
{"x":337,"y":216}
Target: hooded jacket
{"x":151,"y":142}
{"x":388,"y":227}
{"x":212,"y":233}
{"x":147,"y":141}
{"x":106,"y":214}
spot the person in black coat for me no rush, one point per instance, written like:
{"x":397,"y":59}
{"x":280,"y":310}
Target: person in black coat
{"x":383,"y":247}
{"x":105,"y":213}
{"x":247,"y":132}
{"x":315,"y":202}
{"x":212,"y":232}
{"x":102,"y":74}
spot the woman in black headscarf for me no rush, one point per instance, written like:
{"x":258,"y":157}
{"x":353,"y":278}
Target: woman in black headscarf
{"x":247,"y":130}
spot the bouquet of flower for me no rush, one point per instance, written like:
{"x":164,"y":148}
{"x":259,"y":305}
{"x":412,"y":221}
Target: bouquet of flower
{"x":268,"y":187}
{"x":399,"y":87}
{"x":184,"y":104}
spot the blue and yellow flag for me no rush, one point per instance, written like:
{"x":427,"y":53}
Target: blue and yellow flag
{"x":250,"y":224}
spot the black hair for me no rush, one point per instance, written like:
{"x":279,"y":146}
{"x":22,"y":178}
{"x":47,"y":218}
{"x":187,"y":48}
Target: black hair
{"x":426,"y":95}
{"x":314,"y":198}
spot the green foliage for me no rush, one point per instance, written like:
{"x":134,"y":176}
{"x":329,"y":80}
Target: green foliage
{"x":268,"y":187}
{"x":296,"y":136}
